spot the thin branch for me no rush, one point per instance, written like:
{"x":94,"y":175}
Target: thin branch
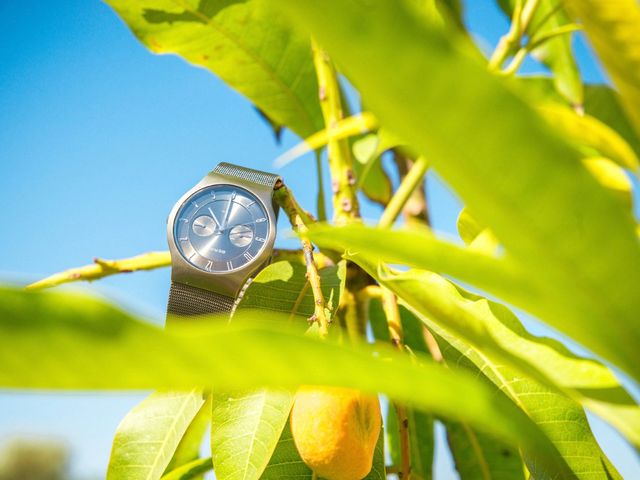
{"x":343,"y":181}
{"x":147,"y":261}
{"x":416,"y":210}
{"x":321,"y":208}
{"x":101,"y":268}
{"x":394,"y":323}
{"x":299,"y":220}
{"x":408,"y":185}
{"x":512,"y":40}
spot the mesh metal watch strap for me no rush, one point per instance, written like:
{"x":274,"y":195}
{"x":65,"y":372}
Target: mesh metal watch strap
{"x":185,"y":300}
{"x":254,"y":176}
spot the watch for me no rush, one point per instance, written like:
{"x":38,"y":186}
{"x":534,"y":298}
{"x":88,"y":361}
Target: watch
{"x":221,"y":233}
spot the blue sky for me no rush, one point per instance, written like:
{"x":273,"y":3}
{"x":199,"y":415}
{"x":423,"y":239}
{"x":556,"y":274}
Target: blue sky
{"x":98,"y":138}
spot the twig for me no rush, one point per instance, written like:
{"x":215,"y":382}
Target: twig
{"x":343,"y":181}
{"x":299,"y":220}
{"x":408,"y":185}
{"x":147,"y":261}
{"x":321,"y":208}
{"x":103,"y":268}
{"x":394,"y":323}
{"x":522,"y":15}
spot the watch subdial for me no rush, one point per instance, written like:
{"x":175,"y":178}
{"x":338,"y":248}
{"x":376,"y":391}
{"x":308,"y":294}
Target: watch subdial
{"x":204,"y":226}
{"x":240,"y":235}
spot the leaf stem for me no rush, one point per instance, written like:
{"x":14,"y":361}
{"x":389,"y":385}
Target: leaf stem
{"x":299,"y":220}
{"x":343,"y":182}
{"x":408,"y":185}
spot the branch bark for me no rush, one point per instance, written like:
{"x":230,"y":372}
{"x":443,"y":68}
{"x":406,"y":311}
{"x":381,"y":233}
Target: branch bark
{"x":343,"y":181}
{"x":299,"y":220}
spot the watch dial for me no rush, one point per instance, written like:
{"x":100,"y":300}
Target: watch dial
{"x":221,"y":228}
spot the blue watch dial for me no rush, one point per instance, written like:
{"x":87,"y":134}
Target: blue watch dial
{"x":221,"y":228}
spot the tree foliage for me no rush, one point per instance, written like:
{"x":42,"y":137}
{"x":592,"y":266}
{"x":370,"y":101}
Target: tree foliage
{"x":543,"y":166}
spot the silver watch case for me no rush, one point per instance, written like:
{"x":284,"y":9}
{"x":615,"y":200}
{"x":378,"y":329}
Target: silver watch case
{"x":224,"y":283}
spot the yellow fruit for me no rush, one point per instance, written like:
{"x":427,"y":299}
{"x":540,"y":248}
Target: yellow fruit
{"x":335,"y":431}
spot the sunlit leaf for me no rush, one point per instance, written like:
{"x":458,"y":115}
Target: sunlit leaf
{"x":441,"y":305}
{"x":612,"y":28}
{"x":563,"y":230}
{"x":564,"y":422}
{"x":372,"y":178}
{"x":590,"y":133}
{"x":600,"y":102}
{"x":245,"y":429}
{"x":188,"y":450}
{"x":246,"y":43}
{"x":500,"y":337}
{"x":149,"y":434}
{"x":91,"y":345}
{"x":345,"y":128}
{"x":286,"y":464}
{"x":246,"y":426}
{"x":611,"y":176}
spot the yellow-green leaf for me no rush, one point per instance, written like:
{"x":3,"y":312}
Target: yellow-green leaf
{"x":612,"y":27}
{"x":561,"y":228}
{"x":91,"y":345}
{"x":246,"y":43}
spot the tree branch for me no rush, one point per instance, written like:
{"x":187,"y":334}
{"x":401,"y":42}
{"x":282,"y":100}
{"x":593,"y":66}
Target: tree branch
{"x":512,"y":40}
{"x":101,"y":268}
{"x":147,"y":261}
{"x":394,"y":323}
{"x":299,"y":220}
{"x":343,"y":181}
{"x":409,"y":184}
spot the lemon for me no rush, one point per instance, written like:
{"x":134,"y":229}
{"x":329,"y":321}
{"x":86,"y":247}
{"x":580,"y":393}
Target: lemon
{"x":335,"y":431}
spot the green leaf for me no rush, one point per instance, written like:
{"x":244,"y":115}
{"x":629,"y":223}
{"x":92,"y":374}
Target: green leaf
{"x":564,"y":422}
{"x":245,"y":429}
{"x":247,"y":426}
{"x":91,"y":345}
{"x":498,"y":334}
{"x":440,"y":304}
{"x":283,"y":287}
{"x":556,"y":53}
{"x":188,"y":450}
{"x":561,"y":228}
{"x":600,"y":102}
{"x":194,"y":469}
{"x":286,"y":464}
{"x":612,"y":28}
{"x":590,"y":133}
{"x":150,"y":433}
{"x":246,"y":43}
{"x":479,"y":457}
{"x":369,"y":171}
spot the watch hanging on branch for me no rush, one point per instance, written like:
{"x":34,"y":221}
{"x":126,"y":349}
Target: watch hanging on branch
{"x":220,"y":233}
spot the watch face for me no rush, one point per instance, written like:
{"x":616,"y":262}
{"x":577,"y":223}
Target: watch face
{"x":221,"y":228}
